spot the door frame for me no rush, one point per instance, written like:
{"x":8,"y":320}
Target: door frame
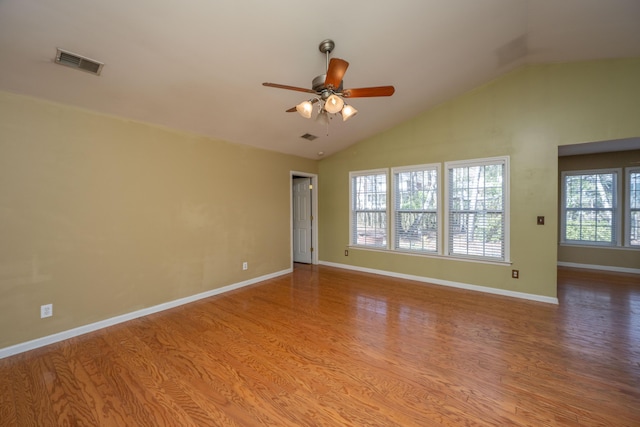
{"x":314,"y":212}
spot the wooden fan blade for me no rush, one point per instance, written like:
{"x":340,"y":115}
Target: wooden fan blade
{"x":367,"y":92}
{"x":335,"y":73}
{"x":279,"y":86}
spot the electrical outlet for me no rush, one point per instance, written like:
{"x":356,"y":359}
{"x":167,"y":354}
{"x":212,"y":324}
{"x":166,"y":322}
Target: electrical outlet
{"x":515,"y":274}
{"x":346,"y":252}
{"x":46,"y":310}
{"x":245,"y":265}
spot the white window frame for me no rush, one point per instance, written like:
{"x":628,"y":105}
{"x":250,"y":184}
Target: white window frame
{"x":352,"y":233}
{"x":394,"y":232}
{"x":616,"y":216}
{"x":448,"y":166}
{"x":628,"y":209}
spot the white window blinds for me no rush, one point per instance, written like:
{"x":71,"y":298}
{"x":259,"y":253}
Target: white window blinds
{"x":477,"y":198}
{"x":369,"y":208}
{"x":633,"y":203}
{"x":590,"y":207}
{"x":415,"y":208}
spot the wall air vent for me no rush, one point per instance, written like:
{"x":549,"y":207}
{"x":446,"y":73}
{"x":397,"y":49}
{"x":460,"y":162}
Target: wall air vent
{"x":309,"y":137}
{"x":79,"y":62}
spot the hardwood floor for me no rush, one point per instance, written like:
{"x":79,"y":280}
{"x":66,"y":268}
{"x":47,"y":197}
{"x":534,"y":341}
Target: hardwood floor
{"x":329,"y":347}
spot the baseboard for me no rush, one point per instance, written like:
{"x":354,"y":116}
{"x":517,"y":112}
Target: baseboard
{"x":600,"y":267}
{"x":485,"y":289}
{"x":60,"y":336}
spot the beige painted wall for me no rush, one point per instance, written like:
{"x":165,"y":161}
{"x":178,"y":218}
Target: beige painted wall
{"x":102,"y":216}
{"x":619,"y":257}
{"x":526,"y":115}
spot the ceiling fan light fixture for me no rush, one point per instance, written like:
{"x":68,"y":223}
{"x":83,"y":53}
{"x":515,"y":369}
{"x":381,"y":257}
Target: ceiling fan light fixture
{"x":347,"y":112}
{"x":333,"y":104}
{"x":323,"y":117}
{"x":305,"y":109}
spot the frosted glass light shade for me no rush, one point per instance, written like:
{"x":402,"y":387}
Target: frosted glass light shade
{"x":323,"y":117}
{"x":305,"y":108}
{"x":333,"y":104}
{"x":347,"y":112}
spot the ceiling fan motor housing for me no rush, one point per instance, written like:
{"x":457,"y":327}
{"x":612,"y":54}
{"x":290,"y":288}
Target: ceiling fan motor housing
{"x":318,"y":84}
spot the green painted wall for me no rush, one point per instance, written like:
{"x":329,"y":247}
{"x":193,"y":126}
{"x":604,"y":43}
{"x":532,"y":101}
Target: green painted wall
{"x":102,"y":216}
{"x":526,"y":115}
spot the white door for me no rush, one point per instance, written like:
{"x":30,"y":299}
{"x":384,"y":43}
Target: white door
{"x":302,"y":219}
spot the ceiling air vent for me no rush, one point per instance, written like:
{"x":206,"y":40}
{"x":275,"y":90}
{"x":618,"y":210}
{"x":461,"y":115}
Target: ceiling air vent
{"x":309,"y":137}
{"x":74,"y":60}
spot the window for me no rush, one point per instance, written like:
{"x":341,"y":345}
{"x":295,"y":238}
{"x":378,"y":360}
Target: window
{"x":415,"y":208}
{"x":368,"y":208}
{"x":477,"y":208}
{"x":633,"y":207}
{"x":589,"y":207}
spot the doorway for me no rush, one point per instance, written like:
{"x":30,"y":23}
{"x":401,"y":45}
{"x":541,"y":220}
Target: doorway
{"x":304,"y":214}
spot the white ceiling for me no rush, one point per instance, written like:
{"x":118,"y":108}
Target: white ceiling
{"x":198,"y":65}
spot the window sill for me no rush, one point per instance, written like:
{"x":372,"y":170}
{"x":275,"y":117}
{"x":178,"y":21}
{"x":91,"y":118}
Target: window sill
{"x":428,"y":255}
{"x":615,"y":248}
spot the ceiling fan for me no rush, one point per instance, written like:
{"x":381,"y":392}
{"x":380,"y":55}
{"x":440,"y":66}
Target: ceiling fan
{"x":328,"y":90}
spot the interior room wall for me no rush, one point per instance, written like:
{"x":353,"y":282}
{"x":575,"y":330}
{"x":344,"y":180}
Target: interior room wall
{"x":101,"y":216}
{"x":525,"y":115}
{"x":620,"y":258}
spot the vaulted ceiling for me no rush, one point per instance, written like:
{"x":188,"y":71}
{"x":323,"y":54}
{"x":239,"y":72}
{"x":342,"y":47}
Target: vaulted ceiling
{"x":198,"y":65}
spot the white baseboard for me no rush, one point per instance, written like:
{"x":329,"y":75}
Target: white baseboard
{"x":60,"y":336}
{"x":485,"y":289}
{"x":600,"y":267}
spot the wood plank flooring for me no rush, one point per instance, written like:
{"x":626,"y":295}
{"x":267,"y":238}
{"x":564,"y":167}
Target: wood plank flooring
{"x":329,"y":347}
